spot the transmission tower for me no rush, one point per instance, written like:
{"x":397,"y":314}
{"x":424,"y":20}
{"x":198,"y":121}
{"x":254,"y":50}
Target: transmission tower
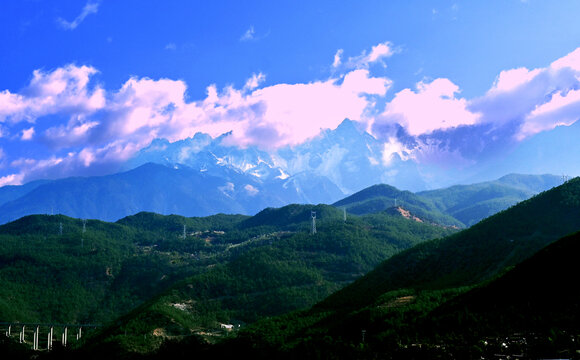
{"x":60,"y":229}
{"x":565,"y":179}
{"x":344,"y":214}
{"x":313,"y":216}
{"x":184,"y":233}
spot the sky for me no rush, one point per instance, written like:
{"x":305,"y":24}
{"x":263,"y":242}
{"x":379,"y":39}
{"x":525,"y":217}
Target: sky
{"x":84,"y":85}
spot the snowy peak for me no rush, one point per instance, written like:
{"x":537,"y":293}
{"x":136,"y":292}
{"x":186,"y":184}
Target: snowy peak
{"x":342,"y":161}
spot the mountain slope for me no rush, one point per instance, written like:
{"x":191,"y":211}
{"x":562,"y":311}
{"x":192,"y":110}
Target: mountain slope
{"x":148,"y":188}
{"x":270,"y":265}
{"x":530,"y":311}
{"x":53,"y":271}
{"x":12,"y":192}
{"x":475,"y":254}
{"x":472,"y":203}
{"x":157,"y":188}
{"x":245,"y":180}
{"x":459,"y":205}
{"x":394,"y":305}
{"x":382,"y":197}
{"x":535,"y":295}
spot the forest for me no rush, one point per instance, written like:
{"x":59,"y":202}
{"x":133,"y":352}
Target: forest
{"x":377,"y":285}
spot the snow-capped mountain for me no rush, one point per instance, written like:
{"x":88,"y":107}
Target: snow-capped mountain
{"x":352,"y":159}
{"x":347,"y":157}
{"x":202,"y":175}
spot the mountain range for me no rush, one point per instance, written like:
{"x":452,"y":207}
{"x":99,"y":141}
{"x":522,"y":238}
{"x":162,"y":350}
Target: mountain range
{"x":325,"y":169}
{"x":201,"y":176}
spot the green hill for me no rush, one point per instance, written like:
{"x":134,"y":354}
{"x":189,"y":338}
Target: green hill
{"x":274,"y":266}
{"x":51,"y":271}
{"x":292,"y":215}
{"x":472,"y":203}
{"x":382,"y":197}
{"x":535,"y":296}
{"x":160,"y":289}
{"x":460,"y":205}
{"x":398,"y":303}
{"x":227,"y":269}
{"x":475,"y":254}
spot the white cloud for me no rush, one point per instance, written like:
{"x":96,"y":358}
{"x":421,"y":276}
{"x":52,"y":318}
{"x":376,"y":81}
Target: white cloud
{"x":337,"y":58}
{"x":377,"y":55}
{"x":171,"y":46}
{"x":76,"y":132}
{"x":27,"y":134}
{"x":509,"y":80}
{"x":87,"y":127}
{"x":227,"y":189}
{"x":64,"y":90}
{"x":248,"y":35}
{"x":394,"y":147}
{"x":537,"y":100}
{"x":291,"y":113}
{"x":557,"y":102}
{"x":87,"y":157}
{"x":91,"y":7}
{"x":380,"y":51}
{"x":562,"y":109}
{"x":36,"y":166}
{"x":571,"y":61}
{"x":433,"y":106}
{"x":11,"y":179}
{"x":251,"y":190}
{"x":254,"y":81}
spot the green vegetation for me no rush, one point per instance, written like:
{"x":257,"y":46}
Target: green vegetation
{"x":54,"y":277}
{"x":460,"y":205}
{"x":382,"y":197}
{"x":288,"y":293}
{"x":279,"y":267}
{"x":227,"y":269}
{"x":472,"y":203}
{"x":412,"y":305}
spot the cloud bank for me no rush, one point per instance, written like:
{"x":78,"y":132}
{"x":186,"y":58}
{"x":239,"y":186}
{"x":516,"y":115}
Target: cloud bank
{"x":78,"y":127}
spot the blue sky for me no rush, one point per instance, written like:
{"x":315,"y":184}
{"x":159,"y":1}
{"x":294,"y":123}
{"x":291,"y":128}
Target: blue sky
{"x":86,"y":84}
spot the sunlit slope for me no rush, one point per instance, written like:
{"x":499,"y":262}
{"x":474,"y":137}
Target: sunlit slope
{"x":271,"y":264}
{"x":475,"y":254}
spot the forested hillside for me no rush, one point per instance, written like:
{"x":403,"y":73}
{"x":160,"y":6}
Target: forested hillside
{"x":405,"y":308}
{"x":178,"y":275}
{"x":278,"y":267}
{"x":162,"y":282}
